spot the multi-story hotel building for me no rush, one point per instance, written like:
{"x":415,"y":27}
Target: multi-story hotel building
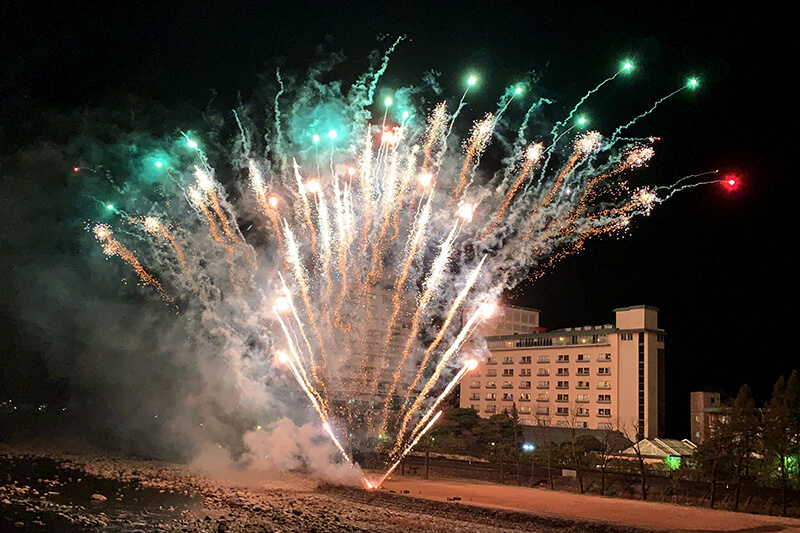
{"x":592,"y":377}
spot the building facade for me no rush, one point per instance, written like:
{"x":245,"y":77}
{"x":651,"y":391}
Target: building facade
{"x":707,"y":411}
{"x":590,"y":377}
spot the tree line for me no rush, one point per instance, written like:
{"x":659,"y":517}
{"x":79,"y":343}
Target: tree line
{"x":747,"y":447}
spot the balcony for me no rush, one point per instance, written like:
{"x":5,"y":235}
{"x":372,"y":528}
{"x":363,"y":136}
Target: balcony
{"x":507,"y":386}
{"x":524,"y":399}
{"x":524,"y":385}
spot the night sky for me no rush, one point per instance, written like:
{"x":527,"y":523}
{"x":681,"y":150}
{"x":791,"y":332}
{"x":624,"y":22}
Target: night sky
{"x":714,"y":261}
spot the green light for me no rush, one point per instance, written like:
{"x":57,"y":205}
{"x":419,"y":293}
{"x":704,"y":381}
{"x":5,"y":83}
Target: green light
{"x":673,"y":462}
{"x":332,"y":134}
{"x":627,"y":66}
{"x":582,"y":121}
{"x":315,"y":138}
{"x":518,"y":90}
{"x":388,"y":101}
{"x":159,"y":164}
{"x":472,"y":80}
{"x":191,"y":143}
{"x":110,"y":207}
{"x":405,"y":115}
{"x":692,"y":83}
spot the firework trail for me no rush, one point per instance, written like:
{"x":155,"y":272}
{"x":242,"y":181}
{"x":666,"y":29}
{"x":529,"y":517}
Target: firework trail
{"x":385,"y":253}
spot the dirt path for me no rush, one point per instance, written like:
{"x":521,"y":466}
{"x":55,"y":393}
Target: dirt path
{"x":668,"y":517}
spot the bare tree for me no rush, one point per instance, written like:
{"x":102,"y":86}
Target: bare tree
{"x":543,"y":421}
{"x":631,"y":432}
{"x":609,"y":446}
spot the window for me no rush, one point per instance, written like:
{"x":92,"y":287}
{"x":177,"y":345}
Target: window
{"x":543,"y":372}
{"x":582,"y":425}
{"x":626,"y":336}
{"x":525,"y":397}
{"x":542,"y":410}
{"x":562,"y":385}
{"x":524,"y":384}
{"x":582,"y":385}
{"x":525,"y":359}
{"x":604,"y":425}
{"x":603,"y":384}
{"x":562,"y":372}
{"x":524,"y":371}
{"x":606,"y":413}
{"x":491,"y":384}
{"x":475,"y":385}
{"x":525,"y":409}
{"x":562,"y":411}
{"x":491,"y":360}
{"x":562,"y":398}
{"x":543,"y":397}
{"x":582,"y":411}
{"x":582,"y":398}
{"x":508,"y":360}
{"x":582,"y":357}
{"x":475,"y":396}
{"x":604,"y":398}
{"x":604,"y":371}
{"x":475,"y":407}
{"x":604,"y":357}
{"x":543,"y":423}
{"x":490,"y":409}
{"x":563,"y":359}
{"x":508,"y":372}
{"x":508,"y":385}
{"x":508,"y":397}
{"x":583,"y":371}
{"x":491,"y":396}
{"x":543,"y":359}
{"x":543,"y":385}
{"x":491,"y":373}
{"x":562,"y":424}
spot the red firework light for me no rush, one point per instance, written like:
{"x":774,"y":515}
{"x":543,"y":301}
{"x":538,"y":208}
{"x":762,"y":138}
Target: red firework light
{"x":731,"y":181}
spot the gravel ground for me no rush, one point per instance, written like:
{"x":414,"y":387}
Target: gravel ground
{"x":59,"y":492}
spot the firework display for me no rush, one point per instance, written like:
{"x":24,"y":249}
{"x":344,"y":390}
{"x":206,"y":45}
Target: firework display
{"x":363,"y":253}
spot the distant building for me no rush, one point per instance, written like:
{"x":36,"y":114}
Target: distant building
{"x":509,"y":320}
{"x":668,"y":451}
{"x":707,"y":412}
{"x":589,"y":377}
